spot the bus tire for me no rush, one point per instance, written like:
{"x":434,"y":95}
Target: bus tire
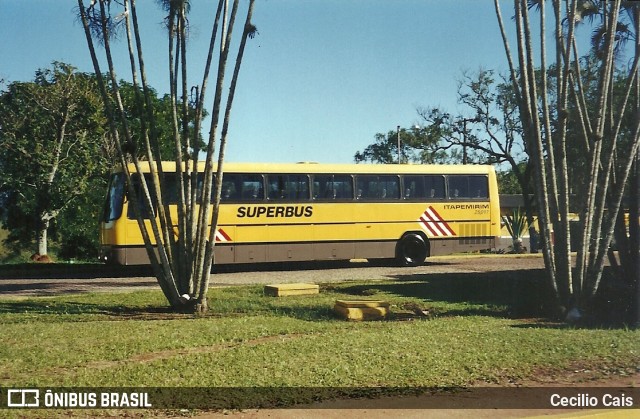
{"x":411,"y":250}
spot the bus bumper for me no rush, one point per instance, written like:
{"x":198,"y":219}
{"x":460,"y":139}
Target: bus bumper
{"x":114,"y":255}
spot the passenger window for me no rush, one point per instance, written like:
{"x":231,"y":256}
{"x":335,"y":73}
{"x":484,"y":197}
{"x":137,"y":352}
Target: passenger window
{"x":238,"y":187}
{"x":434,"y":186}
{"x":137,"y":186}
{"x":200,"y":187}
{"x":229,"y":190}
{"x":468,"y":187}
{"x":423,"y":187}
{"x":372,"y":187}
{"x":172,"y":184}
{"x":170,"y":195}
{"x":330,"y":187}
{"x":288,"y":187}
{"x":458,"y":187}
{"x":241,"y":187}
{"x":478,"y":186}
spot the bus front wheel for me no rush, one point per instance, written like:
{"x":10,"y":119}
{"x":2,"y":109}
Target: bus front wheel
{"x":411,"y":250}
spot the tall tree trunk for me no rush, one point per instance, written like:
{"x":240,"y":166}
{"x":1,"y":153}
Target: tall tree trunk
{"x":43,"y":227}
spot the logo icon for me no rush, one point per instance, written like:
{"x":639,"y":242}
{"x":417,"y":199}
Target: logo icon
{"x":23,"y":398}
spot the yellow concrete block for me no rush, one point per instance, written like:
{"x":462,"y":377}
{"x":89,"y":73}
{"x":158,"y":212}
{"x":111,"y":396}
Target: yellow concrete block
{"x":280,"y":290}
{"x":361,"y":309}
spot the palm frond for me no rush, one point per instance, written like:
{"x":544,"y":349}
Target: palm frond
{"x":516,"y":223}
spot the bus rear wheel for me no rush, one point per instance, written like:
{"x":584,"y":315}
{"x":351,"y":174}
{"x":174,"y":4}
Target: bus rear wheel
{"x":411,"y":250}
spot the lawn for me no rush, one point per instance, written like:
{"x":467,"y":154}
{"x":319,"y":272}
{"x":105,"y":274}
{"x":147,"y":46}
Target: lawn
{"x":481,"y":330}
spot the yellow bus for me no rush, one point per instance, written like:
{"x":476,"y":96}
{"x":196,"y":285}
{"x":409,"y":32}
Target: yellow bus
{"x":309,"y":211}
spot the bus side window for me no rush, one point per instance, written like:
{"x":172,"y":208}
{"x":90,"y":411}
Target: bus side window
{"x":469,"y":187}
{"x":323,"y":187}
{"x":251,"y":187}
{"x":276,"y":185}
{"x":200,"y":188}
{"x":413,"y":187}
{"x":373,"y":187}
{"x":146,"y":214}
{"x":288,"y":187}
{"x":332,"y":187}
{"x":478,"y":186}
{"x":434,"y":186}
{"x":389,"y":187}
{"x":229,"y":187}
{"x":298,"y":187}
{"x":170,"y":195}
{"x":458,"y":187}
{"x":343,"y":184}
{"x":423,"y":187}
{"x":367,"y":187}
{"x":228,"y":190}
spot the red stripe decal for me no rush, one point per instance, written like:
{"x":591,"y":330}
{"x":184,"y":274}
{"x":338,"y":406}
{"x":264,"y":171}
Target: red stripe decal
{"x":426,"y":224}
{"x":442,"y":223}
{"x":435,"y":224}
{"x":224,"y":236}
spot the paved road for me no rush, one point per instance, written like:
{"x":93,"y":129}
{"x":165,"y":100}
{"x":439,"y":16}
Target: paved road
{"x":38,"y":280}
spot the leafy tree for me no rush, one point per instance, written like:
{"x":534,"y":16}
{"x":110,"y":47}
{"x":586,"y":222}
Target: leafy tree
{"x":489,"y":129}
{"x":508,"y":180}
{"x":488,"y":132}
{"x":417,"y":145}
{"x":163,"y":120}
{"x":51,"y":138}
{"x":75,"y":226}
{"x":183,"y":259}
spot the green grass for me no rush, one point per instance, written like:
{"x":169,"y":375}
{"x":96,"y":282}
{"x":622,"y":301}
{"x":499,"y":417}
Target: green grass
{"x":481,"y":329}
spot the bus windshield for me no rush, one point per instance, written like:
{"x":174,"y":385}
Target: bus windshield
{"x":115,"y":197}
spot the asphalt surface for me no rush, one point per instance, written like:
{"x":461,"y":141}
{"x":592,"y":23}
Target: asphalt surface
{"x":54,"y":279}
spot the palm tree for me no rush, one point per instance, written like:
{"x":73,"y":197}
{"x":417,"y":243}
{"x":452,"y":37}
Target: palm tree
{"x":626,"y":29}
{"x":545,"y":122}
{"x":182,"y":259}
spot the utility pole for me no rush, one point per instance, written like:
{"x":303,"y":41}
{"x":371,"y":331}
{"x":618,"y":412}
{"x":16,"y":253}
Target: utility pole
{"x":398,"y":133}
{"x":464,"y":144}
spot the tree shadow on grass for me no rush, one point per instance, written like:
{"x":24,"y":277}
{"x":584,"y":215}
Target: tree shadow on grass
{"x":42,"y":288}
{"x":91,"y":311}
{"x":512,"y":294}
{"x":518,"y":294}
{"x":72,"y":271}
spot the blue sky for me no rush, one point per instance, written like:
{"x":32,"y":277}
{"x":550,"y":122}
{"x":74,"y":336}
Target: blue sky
{"x":317,"y":83}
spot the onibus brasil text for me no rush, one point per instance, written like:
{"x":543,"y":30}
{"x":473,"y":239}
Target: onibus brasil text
{"x":71,"y":399}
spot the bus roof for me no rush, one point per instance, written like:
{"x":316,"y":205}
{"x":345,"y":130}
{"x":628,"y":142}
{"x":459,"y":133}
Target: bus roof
{"x":311,"y":167}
